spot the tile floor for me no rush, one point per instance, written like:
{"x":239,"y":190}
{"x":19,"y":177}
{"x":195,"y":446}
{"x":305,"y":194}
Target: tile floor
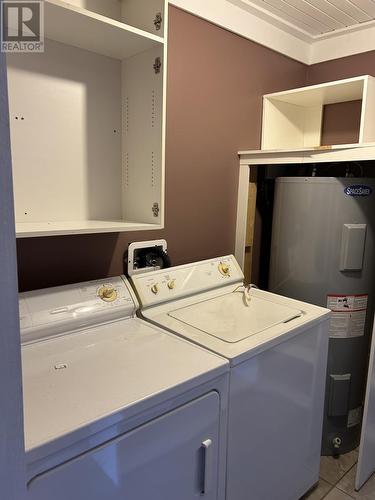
{"x":337,"y":480}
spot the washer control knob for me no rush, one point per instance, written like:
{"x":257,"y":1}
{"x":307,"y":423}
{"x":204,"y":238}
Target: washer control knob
{"x":155,"y":288}
{"x":171,"y":284}
{"x":224,"y":269}
{"x":107,"y":293}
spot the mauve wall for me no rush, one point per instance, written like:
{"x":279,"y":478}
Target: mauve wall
{"x":341,"y":122}
{"x":215,"y":83}
{"x":346,"y":67}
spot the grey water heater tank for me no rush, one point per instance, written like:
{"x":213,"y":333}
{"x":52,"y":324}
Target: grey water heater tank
{"x":323,"y":252}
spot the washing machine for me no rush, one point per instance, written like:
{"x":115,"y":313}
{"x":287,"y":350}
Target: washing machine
{"x":116,"y":408}
{"x":277,"y":349}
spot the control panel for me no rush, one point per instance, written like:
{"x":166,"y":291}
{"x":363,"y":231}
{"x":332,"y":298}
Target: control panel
{"x":177,"y":282}
{"x":51,"y":311}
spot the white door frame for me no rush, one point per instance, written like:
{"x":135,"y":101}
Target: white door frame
{"x":366,"y":458}
{"x":12,"y":450}
{"x":242,"y":205}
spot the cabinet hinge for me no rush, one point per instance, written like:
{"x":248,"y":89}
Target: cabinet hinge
{"x":158,"y":21}
{"x":157,"y":65}
{"x":155,"y":209}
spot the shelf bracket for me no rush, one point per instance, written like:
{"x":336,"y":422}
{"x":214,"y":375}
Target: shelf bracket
{"x":158,"y":21}
{"x":155,"y":209}
{"x":157,"y":65}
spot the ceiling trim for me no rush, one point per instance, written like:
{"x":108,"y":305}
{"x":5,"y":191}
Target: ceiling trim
{"x":257,"y":24}
{"x":343,"y":44}
{"x":234,"y":18}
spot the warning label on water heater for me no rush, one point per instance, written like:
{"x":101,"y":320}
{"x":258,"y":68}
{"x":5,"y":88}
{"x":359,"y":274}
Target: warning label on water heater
{"x":348,"y":315}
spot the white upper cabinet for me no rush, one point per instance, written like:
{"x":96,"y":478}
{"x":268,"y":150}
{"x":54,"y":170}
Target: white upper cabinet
{"x":87,"y":119}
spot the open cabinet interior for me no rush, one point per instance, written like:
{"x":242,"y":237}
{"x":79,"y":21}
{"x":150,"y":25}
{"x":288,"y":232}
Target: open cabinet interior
{"x":294,"y":118}
{"x":142,"y":14}
{"x":87,"y":120}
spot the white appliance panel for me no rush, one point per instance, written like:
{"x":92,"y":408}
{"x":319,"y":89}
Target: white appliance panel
{"x":57,"y":310}
{"x":275,"y":419}
{"x":172,"y":457}
{"x":157,"y":287}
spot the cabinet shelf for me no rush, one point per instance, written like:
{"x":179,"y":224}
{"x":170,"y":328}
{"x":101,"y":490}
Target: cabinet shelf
{"x":85,"y":29}
{"x":27,"y":229}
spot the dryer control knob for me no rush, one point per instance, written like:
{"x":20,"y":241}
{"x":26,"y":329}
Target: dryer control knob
{"x":107,"y":293}
{"x":155,"y":288}
{"x":224,"y":269}
{"x":171,"y":284}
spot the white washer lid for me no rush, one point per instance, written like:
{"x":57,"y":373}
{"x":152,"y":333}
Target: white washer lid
{"x":229,"y":318}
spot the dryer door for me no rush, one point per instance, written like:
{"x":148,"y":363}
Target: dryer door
{"x":172,"y":457}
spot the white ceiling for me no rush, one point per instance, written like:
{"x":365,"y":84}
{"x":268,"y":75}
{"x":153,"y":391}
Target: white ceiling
{"x":313,"y":18}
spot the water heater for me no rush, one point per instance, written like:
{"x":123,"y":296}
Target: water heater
{"x":323,"y":252}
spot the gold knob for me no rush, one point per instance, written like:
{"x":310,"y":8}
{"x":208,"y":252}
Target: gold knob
{"x":224,"y":269}
{"x":107,"y":293}
{"x":171,"y":284}
{"x":155,"y":288}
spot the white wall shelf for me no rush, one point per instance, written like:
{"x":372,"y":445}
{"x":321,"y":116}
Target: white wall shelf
{"x":293,"y":119}
{"x":320,"y":154}
{"x":87,"y":120}
{"x":27,"y":229}
{"x":74,"y":25}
